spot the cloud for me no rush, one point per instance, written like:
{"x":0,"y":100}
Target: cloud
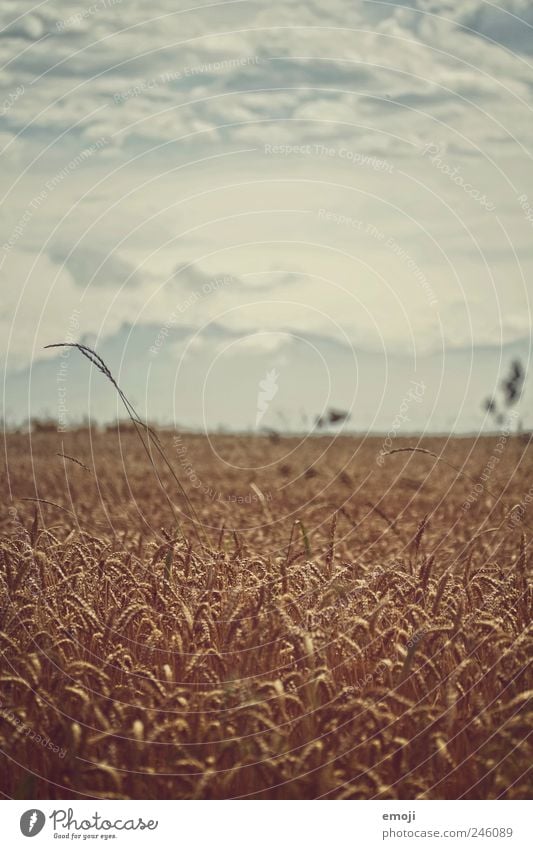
{"x":29,"y":26}
{"x":90,"y":266}
{"x":511,"y":26}
{"x":185,"y":192}
{"x":259,"y":342}
{"x":298,"y":64}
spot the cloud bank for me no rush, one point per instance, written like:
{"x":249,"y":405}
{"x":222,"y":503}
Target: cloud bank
{"x":360,"y":172}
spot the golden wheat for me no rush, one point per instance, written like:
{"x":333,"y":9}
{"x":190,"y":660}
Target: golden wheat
{"x":377,"y":652}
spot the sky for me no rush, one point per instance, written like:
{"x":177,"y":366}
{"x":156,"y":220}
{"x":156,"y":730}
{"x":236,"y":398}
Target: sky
{"x":256,"y":211}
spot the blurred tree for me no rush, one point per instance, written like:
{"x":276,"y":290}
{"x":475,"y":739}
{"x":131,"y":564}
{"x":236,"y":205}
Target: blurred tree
{"x":332,"y":417}
{"x":511,"y":389}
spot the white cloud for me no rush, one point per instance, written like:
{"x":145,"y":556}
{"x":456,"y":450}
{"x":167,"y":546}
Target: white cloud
{"x":90,"y":266}
{"x":187,"y":101}
{"x":260,"y":342}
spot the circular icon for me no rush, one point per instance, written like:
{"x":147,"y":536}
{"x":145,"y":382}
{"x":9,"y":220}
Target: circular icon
{"x":32,"y":822}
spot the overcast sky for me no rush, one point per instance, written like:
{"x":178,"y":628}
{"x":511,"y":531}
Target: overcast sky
{"x":227,"y":183}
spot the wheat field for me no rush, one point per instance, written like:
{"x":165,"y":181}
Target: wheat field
{"x":319,"y":625}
